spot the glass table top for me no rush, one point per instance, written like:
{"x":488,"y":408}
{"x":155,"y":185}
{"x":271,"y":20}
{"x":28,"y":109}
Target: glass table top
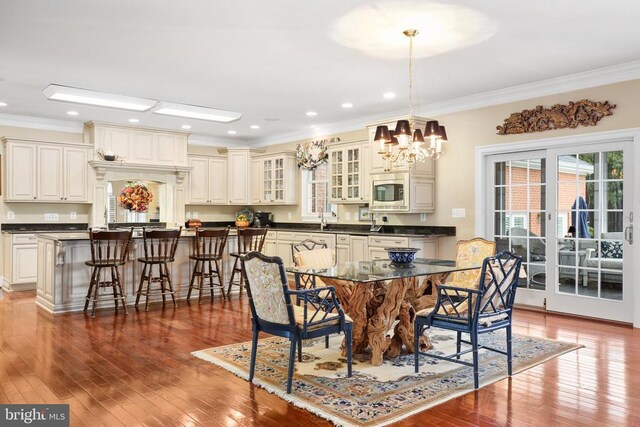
{"x":373,"y":271}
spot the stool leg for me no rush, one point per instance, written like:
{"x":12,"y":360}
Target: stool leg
{"x":193,"y":278}
{"x":139,"y":292}
{"x":121,"y":290}
{"x":211,"y":279}
{"x":91,"y":284}
{"x":148,"y":278}
{"x":162,"y":289}
{"x":95,"y":293}
{"x":169,"y":284}
{"x":219,"y":274}
{"x":201,"y":282}
{"x":233,"y":275}
{"x":113,"y":288}
{"x":241,"y":282}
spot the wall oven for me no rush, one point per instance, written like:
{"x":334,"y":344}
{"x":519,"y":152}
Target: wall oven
{"x":390,"y":193}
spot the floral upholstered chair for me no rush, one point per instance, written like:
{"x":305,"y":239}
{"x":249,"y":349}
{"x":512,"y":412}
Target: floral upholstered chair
{"x":470,"y":253}
{"x":272,"y":311}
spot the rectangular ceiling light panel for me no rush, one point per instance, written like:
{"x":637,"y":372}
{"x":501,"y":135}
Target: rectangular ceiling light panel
{"x":101,"y":99}
{"x":195,"y":112}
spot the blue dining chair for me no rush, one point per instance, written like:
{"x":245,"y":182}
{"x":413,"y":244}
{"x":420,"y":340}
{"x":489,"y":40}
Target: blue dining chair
{"x":487,"y":308}
{"x":272,"y":311}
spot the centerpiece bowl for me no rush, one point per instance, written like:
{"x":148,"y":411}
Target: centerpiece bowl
{"x":402,"y":257}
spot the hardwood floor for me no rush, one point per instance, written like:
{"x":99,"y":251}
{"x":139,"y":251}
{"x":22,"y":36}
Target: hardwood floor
{"x":137,"y":370}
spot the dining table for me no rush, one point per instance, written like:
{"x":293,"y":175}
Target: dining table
{"x":377,"y":294}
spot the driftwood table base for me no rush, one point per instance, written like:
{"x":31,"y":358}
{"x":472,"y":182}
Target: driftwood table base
{"x":374,"y":308}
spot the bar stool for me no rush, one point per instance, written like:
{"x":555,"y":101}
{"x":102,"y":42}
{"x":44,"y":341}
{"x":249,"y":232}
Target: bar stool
{"x":249,"y":239}
{"x":109,"y":250}
{"x":207,"y":253}
{"x":159,"y":250}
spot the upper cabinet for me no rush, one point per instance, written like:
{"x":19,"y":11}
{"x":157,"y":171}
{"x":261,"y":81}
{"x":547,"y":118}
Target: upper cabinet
{"x":207,"y":180}
{"x":137,"y":145}
{"x":379,"y":165}
{"x":274,"y":179}
{"x":45,"y":172}
{"x":348,"y":173}
{"x":238,"y":176}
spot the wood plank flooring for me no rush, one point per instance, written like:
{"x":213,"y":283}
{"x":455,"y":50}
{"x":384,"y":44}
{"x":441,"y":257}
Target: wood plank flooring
{"x":137,"y":370}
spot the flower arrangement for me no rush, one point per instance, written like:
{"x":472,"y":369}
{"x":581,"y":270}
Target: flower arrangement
{"x":311,"y":154}
{"x":135,"y":196}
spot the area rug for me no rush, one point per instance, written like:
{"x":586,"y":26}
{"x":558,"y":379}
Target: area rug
{"x":376,"y":395}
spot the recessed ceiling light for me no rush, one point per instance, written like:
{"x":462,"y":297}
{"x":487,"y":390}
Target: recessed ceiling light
{"x":254,"y":127}
{"x":196,"y":112}
{"x":311,"y":113}
{"x":347,"y":105}
{"x":232,"y":132}
{"x":389,"y":95}
{"x":134,"y":121}
{"x":72,"y":113}
{"x":3,"y":104}
{"x":185,"y":127}
{"x":271,"y":119}
{"x":313,"y":126}
{"x":101,"y":99}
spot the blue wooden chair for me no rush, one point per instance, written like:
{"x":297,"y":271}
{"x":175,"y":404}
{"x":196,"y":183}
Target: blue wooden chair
{"x":273,"y":312}
{"x":475,"y":311}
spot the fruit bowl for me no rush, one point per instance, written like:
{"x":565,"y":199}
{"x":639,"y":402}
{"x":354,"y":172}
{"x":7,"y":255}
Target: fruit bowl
{"x":402,"y":256}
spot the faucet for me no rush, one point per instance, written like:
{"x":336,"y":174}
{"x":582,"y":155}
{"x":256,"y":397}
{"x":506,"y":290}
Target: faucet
{"x":323,"y":222}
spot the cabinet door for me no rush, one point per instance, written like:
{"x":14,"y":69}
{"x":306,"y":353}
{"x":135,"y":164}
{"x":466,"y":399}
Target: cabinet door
{"x":336,"y":177}
{"x":238,"y":178}
{"x":359,"y":248}
{"x":142,"y":146}
{"x":377,"y":254}
{"x":24,"y":269}
{"x":270,"y":248}
{"x":284,"y":252}
{"x":167,"y":149}
{"x":199,"y":180}
{"x":342,"y":254}
{"x":21,"y":172}
{"x":278,"y":179}
{"x":218,"y":181}
{"x":76,"y":175}
{"x":49,"y":173}
{"x":377,"y":163}
{"x":352,"y":174}
{"x":422,"y":196}
{"x":117,"y":140}
{"x":267,"y":180}
{"x":256,"y":181}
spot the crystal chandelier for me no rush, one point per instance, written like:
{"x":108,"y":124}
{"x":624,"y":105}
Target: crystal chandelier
{"x":406,"y":144}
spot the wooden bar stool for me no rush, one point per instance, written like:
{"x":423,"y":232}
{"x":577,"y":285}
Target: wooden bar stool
{"x":249,"y":240}
{"x":159,"y":250}
{"x":207,"y":253}
{"x":109,"y":250}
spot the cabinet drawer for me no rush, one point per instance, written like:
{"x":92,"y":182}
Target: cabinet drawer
{"x":342,"y":239}
{"x":388,"y":241}
{"x":20,"y":239}
{"x":285,"y":235}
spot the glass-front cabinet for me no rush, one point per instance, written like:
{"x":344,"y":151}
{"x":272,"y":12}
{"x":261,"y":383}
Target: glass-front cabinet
{"x":274,"y":180}
{"x":347,"y":179}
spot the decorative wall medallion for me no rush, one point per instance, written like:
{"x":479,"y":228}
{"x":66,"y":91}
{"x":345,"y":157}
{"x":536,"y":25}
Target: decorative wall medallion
{"x":560,"y":116}
{"x":310,"y":155}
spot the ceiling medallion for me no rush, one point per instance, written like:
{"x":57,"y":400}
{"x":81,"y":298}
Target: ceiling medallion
{"x":406,"y":144}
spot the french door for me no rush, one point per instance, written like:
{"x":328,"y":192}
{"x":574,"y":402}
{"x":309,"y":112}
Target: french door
{"x":567,"y":212}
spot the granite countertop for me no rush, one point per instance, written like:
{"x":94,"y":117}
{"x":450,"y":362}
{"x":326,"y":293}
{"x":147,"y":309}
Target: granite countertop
{"x":36,"y":228}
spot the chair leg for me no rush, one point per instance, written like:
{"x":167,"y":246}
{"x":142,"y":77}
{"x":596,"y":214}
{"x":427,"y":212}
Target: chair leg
{"x":300,"y":351}
{"x":474,"y":344}
{"x":121,"y":289}
{"x":95,"y":293}
{"x":140,"y":285}
{"x":233,"y":275}
{"x":193,"y":279}
{"x":292,"y":359}
{"x":326,"y":341}
{"x":348,"y":333}
{"x":162,"y":288}
{"x":254,"y":350}
{"x":201,"y":282}
{"x":417,"y":329}
{"x":170,"y":284}
{"x":220,"y":270}
{"x":458,"y":345}
{"x":509,"y":353}
{"x":91,"y":284}
{"x":211,"y":279}
{"x":114,"y":289}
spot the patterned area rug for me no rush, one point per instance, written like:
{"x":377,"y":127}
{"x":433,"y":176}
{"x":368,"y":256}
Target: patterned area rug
{"x":376,"y":395}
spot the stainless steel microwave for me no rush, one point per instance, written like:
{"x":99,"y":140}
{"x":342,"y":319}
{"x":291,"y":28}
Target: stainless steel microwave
{"x":390,"y":193}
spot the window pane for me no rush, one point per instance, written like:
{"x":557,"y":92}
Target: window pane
{"x":614,"y":164}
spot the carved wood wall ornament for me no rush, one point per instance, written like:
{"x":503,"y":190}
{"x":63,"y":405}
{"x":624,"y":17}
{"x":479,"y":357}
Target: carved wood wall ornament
{"x":560,"y":116}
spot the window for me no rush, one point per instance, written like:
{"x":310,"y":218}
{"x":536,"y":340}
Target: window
{"x":315,"y":195}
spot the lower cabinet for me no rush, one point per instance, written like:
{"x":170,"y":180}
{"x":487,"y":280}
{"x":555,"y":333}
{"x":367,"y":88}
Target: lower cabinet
{"x":343,"y":248}
{"x":359,"y":248}
{"x":20,"y":268}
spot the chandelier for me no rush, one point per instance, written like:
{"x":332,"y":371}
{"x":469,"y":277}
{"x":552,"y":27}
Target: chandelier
{"x":406,"y":144}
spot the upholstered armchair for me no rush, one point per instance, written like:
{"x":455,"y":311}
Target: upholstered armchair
{"x":474,"y":311}
{"x":607,"y":257}
{"x":272,"y":311}
{"x":314,"y":255}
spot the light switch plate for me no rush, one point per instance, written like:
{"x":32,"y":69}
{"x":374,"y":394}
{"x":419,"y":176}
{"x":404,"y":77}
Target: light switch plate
{"x":458,"y":213}
{"x":423,"y":217}
{"x":289,"y":215}
{"x":347,"y":215}
{"x":11,"y":215}
{"x":73,"y":215}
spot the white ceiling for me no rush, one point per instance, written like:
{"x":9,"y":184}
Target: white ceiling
{"x":279,"y":59}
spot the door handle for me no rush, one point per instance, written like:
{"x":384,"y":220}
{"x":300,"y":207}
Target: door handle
{"x":628,"y":234}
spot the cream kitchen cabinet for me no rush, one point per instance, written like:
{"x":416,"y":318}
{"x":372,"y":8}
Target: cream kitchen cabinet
{"x":20,"y":268}
{"x":274,"y":180}
{"x":238,"y":177}
{"x":207,"y":180}
{"x":343,"y":252}
{"x":346,"y":174}
{"x":428,"y":246}
{"x":46,"y":172}
{"x":359,"y":248}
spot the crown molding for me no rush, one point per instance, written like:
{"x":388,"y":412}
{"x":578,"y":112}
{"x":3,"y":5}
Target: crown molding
{"x":31,"y":122}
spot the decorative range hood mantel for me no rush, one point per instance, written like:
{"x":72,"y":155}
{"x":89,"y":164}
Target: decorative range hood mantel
{"x":102,"y":166}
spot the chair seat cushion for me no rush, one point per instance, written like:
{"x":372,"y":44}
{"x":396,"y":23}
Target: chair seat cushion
{"x":612,"y":263}
{"x":334,"y":318}
{"x":317,"y":258}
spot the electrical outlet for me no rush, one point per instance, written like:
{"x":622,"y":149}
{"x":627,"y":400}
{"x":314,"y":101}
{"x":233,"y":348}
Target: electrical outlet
{"x":385,"y":218}
{"x":73,"y":215}
{"x":51,"y":217}
{"x":423,"y":217}
{"x":347,"y":215}
{"x":458,"y":213}
{"x":289,"y":215}
{"x":11,"y":215}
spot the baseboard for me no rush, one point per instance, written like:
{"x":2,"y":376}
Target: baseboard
{"x":8,"y":287}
